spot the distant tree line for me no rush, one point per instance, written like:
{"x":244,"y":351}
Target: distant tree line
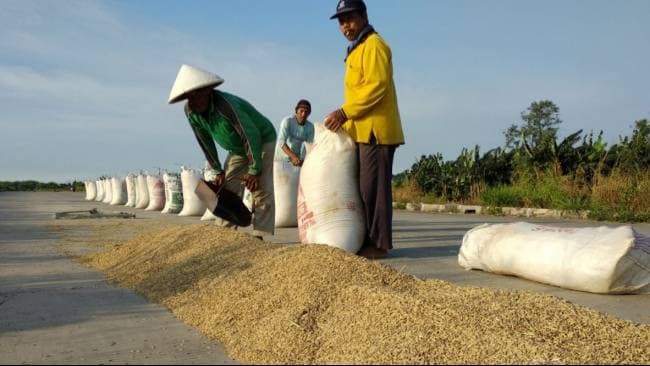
{"x":32,"y":185}
{"x":532,"y":149}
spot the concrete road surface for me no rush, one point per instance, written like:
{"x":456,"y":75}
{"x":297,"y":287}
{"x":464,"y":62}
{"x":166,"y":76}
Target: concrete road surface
{"x":55,"y":311}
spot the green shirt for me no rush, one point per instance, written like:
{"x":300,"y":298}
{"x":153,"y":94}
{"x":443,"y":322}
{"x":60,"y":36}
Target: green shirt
{"x":244,"y":137}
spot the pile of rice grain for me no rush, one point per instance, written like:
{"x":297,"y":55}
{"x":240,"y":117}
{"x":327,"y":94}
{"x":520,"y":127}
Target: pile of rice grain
{"x":300,"y":304}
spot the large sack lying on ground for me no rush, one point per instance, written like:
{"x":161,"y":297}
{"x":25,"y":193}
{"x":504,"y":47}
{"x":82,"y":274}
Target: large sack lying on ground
{"x":108,"y":191}
{"x":173,"y":193}
{"x":119,"y":191}
{"x":598,"y":259}
{"x":142,"y":192}
{"x":285,"y":182}
{"x":329,"y":205}
{"x":100,"y":190}
{"x":91,"y":190}
{"x":192,"y":205}
{"x":156,"y":189}
{"x":130,"y":190}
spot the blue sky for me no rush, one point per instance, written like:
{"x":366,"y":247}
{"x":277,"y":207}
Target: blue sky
{"x":84,"y":84}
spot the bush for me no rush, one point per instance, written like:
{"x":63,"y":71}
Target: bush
{"x":406,"y":191}
{"x":622,"y":197}
{"x":547,"y":190}
{"x":503,"y":196}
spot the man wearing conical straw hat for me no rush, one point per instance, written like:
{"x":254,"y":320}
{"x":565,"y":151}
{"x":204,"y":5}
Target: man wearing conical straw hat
{"x":247,"y":135}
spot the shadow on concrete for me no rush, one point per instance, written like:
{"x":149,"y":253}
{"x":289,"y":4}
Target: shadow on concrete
{"x":425,"y":252}
{"x":428,"y":238}
{"x":49,"y":302}
{"x":21,"y":232}
{"x":465,"y":224}
{"x":9,"y":259}
{"x":411,"y":229}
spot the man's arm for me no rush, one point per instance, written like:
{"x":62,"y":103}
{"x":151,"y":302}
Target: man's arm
{"x":282,"y":139}
{"x":295,"y":159}
{"x":207,"y":146}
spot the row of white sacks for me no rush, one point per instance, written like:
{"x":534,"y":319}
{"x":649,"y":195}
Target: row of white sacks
{"x":171,"y":193}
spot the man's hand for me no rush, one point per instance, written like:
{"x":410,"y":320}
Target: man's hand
{"x":252,"y":182}
{"x":296,"y":161}
{"x":335,"y":120}
{"x":219,"y":180}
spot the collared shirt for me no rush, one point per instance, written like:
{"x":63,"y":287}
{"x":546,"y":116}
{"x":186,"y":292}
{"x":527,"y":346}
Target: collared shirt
{"x":244,"y":137}
{"x":370,"y":96}
{"x":365,"y":32}
{"x":294,"y":135}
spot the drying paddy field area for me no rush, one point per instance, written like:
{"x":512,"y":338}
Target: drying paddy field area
{"x":163,"y":289}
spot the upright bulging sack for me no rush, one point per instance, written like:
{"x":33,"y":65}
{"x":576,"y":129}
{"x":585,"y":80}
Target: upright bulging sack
{"x":173,"y":193}
{"x":91,"y":190}
{"x":142,"y":192}
{"x":329,"y":204}
{"x":192,"y":205}
{"x":108,"y":191}
{"x":596,"y":259}
{"x":130,"y":190}
{"x":100,"y":190}
{"x":156,"y":189}
{"x":285,"y":183}
{"x":119,"y":191}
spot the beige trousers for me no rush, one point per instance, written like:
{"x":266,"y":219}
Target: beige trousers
{"x":263,"y":202}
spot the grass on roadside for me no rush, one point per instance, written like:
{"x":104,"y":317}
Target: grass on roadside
{"x":618,"y":196}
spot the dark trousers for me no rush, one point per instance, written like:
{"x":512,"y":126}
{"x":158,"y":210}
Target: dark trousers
{"x":375,"y":176}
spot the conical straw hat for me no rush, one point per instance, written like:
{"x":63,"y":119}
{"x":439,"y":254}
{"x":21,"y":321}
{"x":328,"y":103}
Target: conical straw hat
{"x":189,"y":79}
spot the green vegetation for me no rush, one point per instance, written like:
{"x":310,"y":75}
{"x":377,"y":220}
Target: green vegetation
{"x":32,"y":185}
{"x":535,"y":169}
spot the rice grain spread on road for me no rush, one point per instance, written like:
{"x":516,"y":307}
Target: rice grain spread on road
{"x":296,"y":304}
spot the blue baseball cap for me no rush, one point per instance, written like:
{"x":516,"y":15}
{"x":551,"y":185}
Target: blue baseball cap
{"x":346,"y":6}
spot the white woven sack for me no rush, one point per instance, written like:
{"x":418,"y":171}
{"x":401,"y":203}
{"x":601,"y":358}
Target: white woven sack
{"x":173,"y":193}
{"x":248,"y":199}
{"x":91,"y":190}
{"x":329,"y":205}
{"x":142,"y":192}
{"x":209,"y":174}
{"x":192,"y":205}
{"x":130,"y":190}
{"x":108,"y":191}
{"x":119,"y":191}
{"x":156,"y":188}
{"x":285,"y":183}
{"x":596,"y":259}
{"x":100,"y":191}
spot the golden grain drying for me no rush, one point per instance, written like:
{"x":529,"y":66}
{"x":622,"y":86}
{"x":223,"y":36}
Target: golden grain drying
{"x":270,"y":303}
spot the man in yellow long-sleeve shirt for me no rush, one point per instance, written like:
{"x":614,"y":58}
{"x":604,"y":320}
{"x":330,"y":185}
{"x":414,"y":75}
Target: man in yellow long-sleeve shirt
{"x":371,"y":116}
